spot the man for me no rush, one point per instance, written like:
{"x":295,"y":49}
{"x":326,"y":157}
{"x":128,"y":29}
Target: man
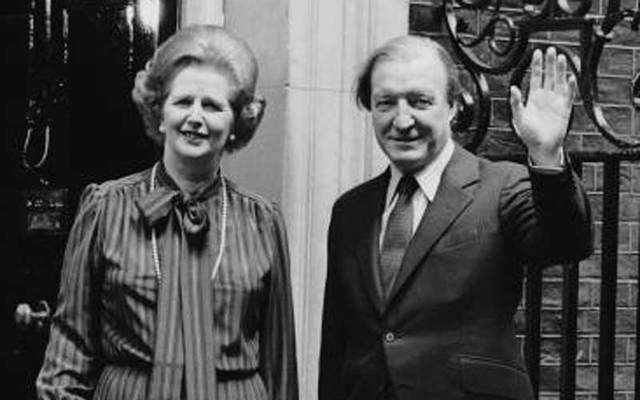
{"x":425,"y":261}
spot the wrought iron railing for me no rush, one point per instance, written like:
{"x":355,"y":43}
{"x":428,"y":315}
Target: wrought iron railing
{"x":570,"y":280}
{"x":502,"y":45}
{"x":497,"y":38}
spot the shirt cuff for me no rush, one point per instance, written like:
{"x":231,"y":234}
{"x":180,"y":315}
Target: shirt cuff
{"x":541,"y":169}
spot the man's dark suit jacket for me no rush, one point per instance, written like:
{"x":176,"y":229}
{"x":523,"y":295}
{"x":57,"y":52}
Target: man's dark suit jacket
{"x":447,"y":329}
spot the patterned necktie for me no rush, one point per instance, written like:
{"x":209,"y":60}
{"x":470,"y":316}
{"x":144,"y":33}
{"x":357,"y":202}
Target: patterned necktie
{"x":398,"y":233}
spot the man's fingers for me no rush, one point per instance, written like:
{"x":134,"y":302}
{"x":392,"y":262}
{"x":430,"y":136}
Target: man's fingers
{"x":515,"y":101}
{"x":573,"y":88}
{"x":536,"y":71}
{"x":550,"y":68}
{"x":561,"y":72}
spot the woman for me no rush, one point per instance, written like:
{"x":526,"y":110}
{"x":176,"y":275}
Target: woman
{"x":175,"y":283}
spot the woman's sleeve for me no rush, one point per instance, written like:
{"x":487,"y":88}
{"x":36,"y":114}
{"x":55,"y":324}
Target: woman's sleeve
{"x":278,"y":366}
{"x":71,"y":364}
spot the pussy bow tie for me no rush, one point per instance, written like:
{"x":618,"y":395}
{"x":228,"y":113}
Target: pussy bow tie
{"x":156,"y":206}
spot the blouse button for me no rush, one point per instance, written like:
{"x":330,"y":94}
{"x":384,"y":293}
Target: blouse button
{"x":389,"y":337}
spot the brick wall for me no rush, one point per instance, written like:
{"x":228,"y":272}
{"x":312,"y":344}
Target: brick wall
{"x":620,"y":62}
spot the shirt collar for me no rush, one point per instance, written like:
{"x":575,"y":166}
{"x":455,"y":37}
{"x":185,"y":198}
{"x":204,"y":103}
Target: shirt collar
{"x":428,"y":178}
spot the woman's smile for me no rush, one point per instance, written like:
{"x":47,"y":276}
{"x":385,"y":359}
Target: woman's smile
{"x":194,"y":136}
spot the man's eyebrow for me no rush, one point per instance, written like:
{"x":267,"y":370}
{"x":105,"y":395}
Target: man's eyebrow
{"x":410,"y":93}
{"x":383,"y":93}
{"x":421,"y":92}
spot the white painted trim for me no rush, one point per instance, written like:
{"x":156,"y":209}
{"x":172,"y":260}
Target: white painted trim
{"x":329,"y":144}
{"x":201,"y":12}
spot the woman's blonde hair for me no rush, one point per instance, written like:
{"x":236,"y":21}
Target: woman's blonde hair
{"x":203,"y":45}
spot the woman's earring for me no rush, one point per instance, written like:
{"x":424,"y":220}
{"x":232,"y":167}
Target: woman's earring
{"x":232,"y":137}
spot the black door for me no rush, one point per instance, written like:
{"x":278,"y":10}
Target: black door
{"x":74,"y":81}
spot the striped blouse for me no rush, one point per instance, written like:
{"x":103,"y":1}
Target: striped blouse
{"x":120,"y":331}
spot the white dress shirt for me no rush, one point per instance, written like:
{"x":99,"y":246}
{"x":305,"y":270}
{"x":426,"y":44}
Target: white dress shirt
{"x":428,"y":180}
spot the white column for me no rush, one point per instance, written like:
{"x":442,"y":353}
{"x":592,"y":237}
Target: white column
{"x":314,"y":143}
{"x":329,"y":145}
{"x":264,"y":25}
{"x":201,"y":12}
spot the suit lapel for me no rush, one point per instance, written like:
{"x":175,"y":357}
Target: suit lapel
{"x":367,"y":242}
{"x":451,"y":199}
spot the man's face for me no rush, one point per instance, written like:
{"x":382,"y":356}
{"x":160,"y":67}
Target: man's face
{"x":409,"y":109}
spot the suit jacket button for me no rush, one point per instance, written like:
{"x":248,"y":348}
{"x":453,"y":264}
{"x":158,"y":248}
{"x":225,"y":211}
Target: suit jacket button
{"x":389,"y":337}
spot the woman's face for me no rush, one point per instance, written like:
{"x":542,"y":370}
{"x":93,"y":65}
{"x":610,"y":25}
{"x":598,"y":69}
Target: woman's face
{"x":197,"y":117}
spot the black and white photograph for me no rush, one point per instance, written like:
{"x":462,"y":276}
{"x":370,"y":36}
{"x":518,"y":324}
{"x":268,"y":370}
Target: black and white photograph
{"x":320,"y":199}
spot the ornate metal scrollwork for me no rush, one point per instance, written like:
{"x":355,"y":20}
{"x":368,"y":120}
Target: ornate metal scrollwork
{"x":503,"y":44}
{"x":470,"y":110}
{"x":47,"y":76}
{"x":635,"y":91}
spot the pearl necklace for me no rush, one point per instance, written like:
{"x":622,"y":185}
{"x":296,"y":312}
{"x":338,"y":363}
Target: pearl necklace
{"x":223,"y":231}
